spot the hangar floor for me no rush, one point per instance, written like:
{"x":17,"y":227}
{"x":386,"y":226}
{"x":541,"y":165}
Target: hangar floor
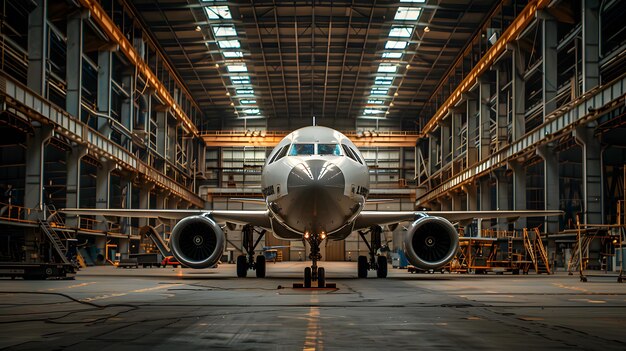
{"x":176,"y":309}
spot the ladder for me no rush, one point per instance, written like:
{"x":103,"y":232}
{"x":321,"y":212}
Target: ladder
{"x":537,"y":251}
{"x":54,"y":238}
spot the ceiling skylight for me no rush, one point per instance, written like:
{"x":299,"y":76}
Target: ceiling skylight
{"x":401,"y":31}
{"x":229,"y":44}
{"x":218,"y":12}
{"x":247,"y":101}
{"x":393,"y":44}
{"x":245,"y":92}
{"x":420,"y":1}
{"x":375,"y":102}
{"x":224,"y":31}
{"x":369,"y":111}
{"x":232,"y":54}
{"x":393,"y":55}
{"x":251,"y":111}
{"x":387,"y":68}
{"x":240,"y":80}
{"x":408,"y":13}
{"x":379,"y":91}
{"x":237,"y":67}
{"x":383,"y":80}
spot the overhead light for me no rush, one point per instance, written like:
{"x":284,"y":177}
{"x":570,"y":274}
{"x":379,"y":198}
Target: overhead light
{"x":394,"y":44}
{"x":245,"y":92}
{"x":392,"y":54}
{"x":229,"y":44}
{"x":251,"y":111}
{"x":240,"y":79}
{"x":408,"y":66}
{"x":408,"y":13}
{"x":395,"y":94}
{"x":379,"y":91}
{"x":371,"y":111}
{"x":387,"y":112}
{"x":426,"y":29}
{"x":232,"y":54}
{"x":247,"y":101}
{"x":391,"y":104}
{"x":198,"y":28}
{"x":237,"y":67}
{"x":227,"y":93}
{"x":387,"y":68}
{"x":375,"y":102}
{"x":217,"y":65}
{"x":232,"y":104}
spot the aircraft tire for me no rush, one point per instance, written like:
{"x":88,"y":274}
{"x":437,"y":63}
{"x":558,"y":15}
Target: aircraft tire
{"x":321,"y":277}
{"x":381,"y":270}
{"x":362,"y":266}
{"x":242,"y":266}
{"x":307,"y":277}
{"x":260,"y":266}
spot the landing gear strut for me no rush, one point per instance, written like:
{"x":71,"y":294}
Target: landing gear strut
{"x":315,"y":273}
{"x":377,"y":263}
{"x":246,"y":262}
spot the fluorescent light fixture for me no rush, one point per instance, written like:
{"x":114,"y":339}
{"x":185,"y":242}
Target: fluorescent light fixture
{"x":237,"y":67}
{"x":251,"y":111}
{"x":218,"y":12}
{"x":232,"y":54}
{"x":224,"y":31}
{"x":379,"y":91}
{"x":401,"y":31}
{"x":375,"y":102}
{"x":229,"y":44}
{"x":370,"y":111}
{"x":245,"y":92}
{"x":387,"y":68}
{"x":240,"y":79}
{"x":393,"y":44}
{"x":247,"y":101}
{"x":408,"y":13}
{"x":392,"y":55}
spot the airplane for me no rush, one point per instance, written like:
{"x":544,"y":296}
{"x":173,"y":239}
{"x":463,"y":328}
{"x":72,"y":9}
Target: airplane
{"x":315,"y":185}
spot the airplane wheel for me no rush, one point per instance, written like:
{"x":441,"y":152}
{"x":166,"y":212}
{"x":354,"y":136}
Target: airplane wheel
{"x":321,"y":278}
{"x":242,"y":266}
{"x":381,"y":271}
{"x":307,"y":277}
{"x":260,"y":266}
{"x":362,"y":266}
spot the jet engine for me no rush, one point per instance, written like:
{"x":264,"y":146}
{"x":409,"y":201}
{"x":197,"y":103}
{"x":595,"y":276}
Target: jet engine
{"x":431,"y":242}
{"x":197,"y":242}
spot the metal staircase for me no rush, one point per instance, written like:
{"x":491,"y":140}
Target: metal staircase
{"x":53,"y":227}
{"x":537,"y":251}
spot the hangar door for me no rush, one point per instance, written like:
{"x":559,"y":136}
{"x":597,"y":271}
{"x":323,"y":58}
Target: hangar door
{"x":335,"y":250}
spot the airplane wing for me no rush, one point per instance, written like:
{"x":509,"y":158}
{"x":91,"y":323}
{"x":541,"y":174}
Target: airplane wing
{"x":255,"y":218}
{"x":367,"y":219}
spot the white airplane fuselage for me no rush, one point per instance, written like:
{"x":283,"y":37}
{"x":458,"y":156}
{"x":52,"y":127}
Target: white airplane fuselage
{"x":315,"y":182}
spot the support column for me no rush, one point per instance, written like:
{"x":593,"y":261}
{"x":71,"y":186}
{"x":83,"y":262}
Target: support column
{"x":103,"y":184}
{"x":162,"y":133}
{"x":472,"y":132}
{"x":73,"y":160}
{"x":472,"y":203}
{"x":549,"y":64}
{"x":550,"y":185}
{"x":484,"y":119}
{"x":445,"y":127}
{"x":592,"y":173}
{"x":457,"y":118}
{"x":144,"y":201}
{"x":433,"y":147}
{"x":74,"y":66}
{"x":104,"y":91}
{"x":502,"y":196}
{"x":519,"y":94}
{"x":502,"y":103}
{"x":37,"y":44}
{"x":485,"y":200}
{"x":33,"y":195}
{"x":591,"y":40}
{"x":519,"y":190}
{"x":445,"y":203}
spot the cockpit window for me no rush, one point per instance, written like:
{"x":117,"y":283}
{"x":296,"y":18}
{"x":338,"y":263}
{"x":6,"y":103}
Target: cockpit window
{"x":328,"y":149}
{"x":350,"y":153}
{"x":302,"y":149}
{"x":280,"y":154}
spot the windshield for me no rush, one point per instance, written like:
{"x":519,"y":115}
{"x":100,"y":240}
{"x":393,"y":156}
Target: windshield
{"x":328,"y":149}
{"x":302,"y":149}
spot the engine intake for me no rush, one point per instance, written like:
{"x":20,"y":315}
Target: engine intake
{"x":431,"y":242}
{"x":197,"y":242}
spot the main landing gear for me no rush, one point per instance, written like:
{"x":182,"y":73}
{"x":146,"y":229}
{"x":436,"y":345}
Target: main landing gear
{"x":315,"y":273}
{"x":246,"y":262}
{"x":377,"y":263}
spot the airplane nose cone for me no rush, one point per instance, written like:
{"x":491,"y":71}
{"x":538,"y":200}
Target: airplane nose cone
{"x":314,"y":174}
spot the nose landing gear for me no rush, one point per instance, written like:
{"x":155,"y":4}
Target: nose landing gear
{"x":314,"y":273}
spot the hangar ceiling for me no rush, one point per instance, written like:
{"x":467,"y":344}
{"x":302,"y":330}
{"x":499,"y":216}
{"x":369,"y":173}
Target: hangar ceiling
{"x":286,"y":61}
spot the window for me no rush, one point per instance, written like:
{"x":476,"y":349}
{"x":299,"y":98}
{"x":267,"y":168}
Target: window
{"x":375,"y":102}
{"x":408,"y":13}
{"x":401,"y":32}
{"x":280,"y":154}
{"x":348,"y":152}
{"x":245,"y":92}
{"x":383,"y":80}
{"x":328,"y":149}
{"x":394,"y":44}
{"x":392,"y":55}
{"x":232,"y":54}
{"x":302,"y":149}
{"x":387,"y":68}
{"x":247,"y":102}
{"x":229,"y":44}
{"x":356,"y":155}
{"x":240,"y":79}
{"x":379,"y":91}
{"x":224,"y":31}
{"x":218,"y":12}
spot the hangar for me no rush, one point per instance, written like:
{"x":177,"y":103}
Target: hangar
{"x":489,"y":116}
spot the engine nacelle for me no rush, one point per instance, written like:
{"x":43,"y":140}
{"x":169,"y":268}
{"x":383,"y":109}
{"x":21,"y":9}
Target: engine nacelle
{"x":197,"y":242}
{"x":431,"y":242}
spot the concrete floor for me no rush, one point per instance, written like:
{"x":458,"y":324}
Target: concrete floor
{"x":178,"y":309}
